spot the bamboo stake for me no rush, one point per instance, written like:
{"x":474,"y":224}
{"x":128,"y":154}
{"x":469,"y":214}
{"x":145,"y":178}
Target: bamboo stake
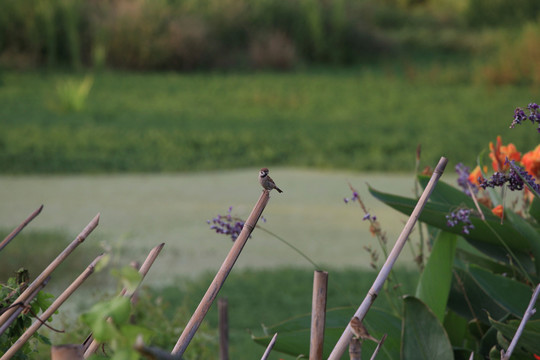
{"x":92,"y":346}
{"x":221,"y":276}
{"x":20,"y":227}
{"x":51,"y":309}
{"x":343,"y":341}
{"x":379,"y":345}
{"x":53,"y":265}
{"x":223,"y":320}
{"x":22,"y":306}
{"x":269,"y":347}
{"x":355,"y":349}
{"x":318,"y":314}
{"x":528,"y":313}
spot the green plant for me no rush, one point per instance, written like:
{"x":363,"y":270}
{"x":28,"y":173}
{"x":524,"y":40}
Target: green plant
{"x":72,"y":94}
{"x":119,"y":322}
{"x":477,"y":282}
{"x":9,"y":292}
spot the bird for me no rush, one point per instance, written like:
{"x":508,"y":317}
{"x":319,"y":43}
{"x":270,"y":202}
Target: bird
{"x":359,"y":330}
{"x":266,"y":181}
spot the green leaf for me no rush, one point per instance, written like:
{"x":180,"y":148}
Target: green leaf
{"x":529,"y":232}
{"x":508,"y":293}
{"x":470,"y":300}
{"x":468,"y":254}
{"x":294,"y":334}
{"x":118,"y":309}
{"x":482,"y":237}
{"x":530,"y":338}
{"x":534,"y":209}
{"x":423,"y":336}
{"x":434,"y":285}
{"x":447,"y":194}
{"x":129,"y":277}
{"x":456,"y":328}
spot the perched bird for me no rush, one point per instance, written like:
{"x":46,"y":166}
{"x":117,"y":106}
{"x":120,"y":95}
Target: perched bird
{"x":359,"y":330}
{"x":266,"y":181}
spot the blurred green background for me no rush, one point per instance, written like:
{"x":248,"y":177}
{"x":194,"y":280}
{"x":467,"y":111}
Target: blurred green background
{"x":158,"y":115}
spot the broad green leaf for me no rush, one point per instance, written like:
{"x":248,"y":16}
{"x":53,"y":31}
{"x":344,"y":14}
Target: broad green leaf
{"x":534,"y":209}
{"x":470,"y":300}
{"x":434,"y":285}
{"x":447,"y":194}
{"x":529,"y":232}
{"x":294,"y":334}
{"x":468,"y":254}
{"x":510,"y":294}
{"x":423,"y":336}
{"x":456,"y":328}
{"x":530,"y":338}
{"x":482,"y":237}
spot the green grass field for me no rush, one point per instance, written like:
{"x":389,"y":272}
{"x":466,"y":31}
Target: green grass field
{"x":141,"y":211}
{"x":361,"y":119}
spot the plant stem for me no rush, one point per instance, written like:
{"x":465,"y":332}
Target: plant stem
{"x":317,"y":267}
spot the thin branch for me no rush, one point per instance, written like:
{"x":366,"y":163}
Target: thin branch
{"x":53,"y":265}
{"x":528,"y":314}
{"x":221,"y":276}
{"x":269,"y":347}
{"x":20,"y":227}
{"x":473,"y":195}
{"x":379,"y":345}
{"x":345,"y":338}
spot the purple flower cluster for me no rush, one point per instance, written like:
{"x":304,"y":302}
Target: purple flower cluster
{"x":368,"y":216}
{"x":463,"y":179}
{"x":227,"y":225}
{"x":354,"y":197}
{"x":515,"y":179}
{"x":520,"y":116}
{"x":460,"y":216}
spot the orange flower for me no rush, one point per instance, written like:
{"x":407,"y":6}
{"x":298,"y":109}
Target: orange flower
{"x":531,"y":161}
{"x":475,"y":174}
{"x":498,"y":211}
{"x":499,"y":153}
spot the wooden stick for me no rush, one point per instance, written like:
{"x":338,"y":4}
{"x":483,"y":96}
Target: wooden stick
{"x":379,"y":345}
{"x":20,"y":227}
{"x":318,"y":314}
{"x":221,"y":276}
{"x":23,"y":305}
{"x":528,"y":313}
{"x":223,"y":321}
{"x":355,"y":349}
{"x":50,"y":310}
{"x":269,"y":347}
{"x":90,"y":344}
{"x":343,"y":341}
{"x":53,"y":265}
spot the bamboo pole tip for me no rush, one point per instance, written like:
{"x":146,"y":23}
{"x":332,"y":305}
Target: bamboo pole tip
{"x":441,"y":165}
{"x":40,"y":208}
